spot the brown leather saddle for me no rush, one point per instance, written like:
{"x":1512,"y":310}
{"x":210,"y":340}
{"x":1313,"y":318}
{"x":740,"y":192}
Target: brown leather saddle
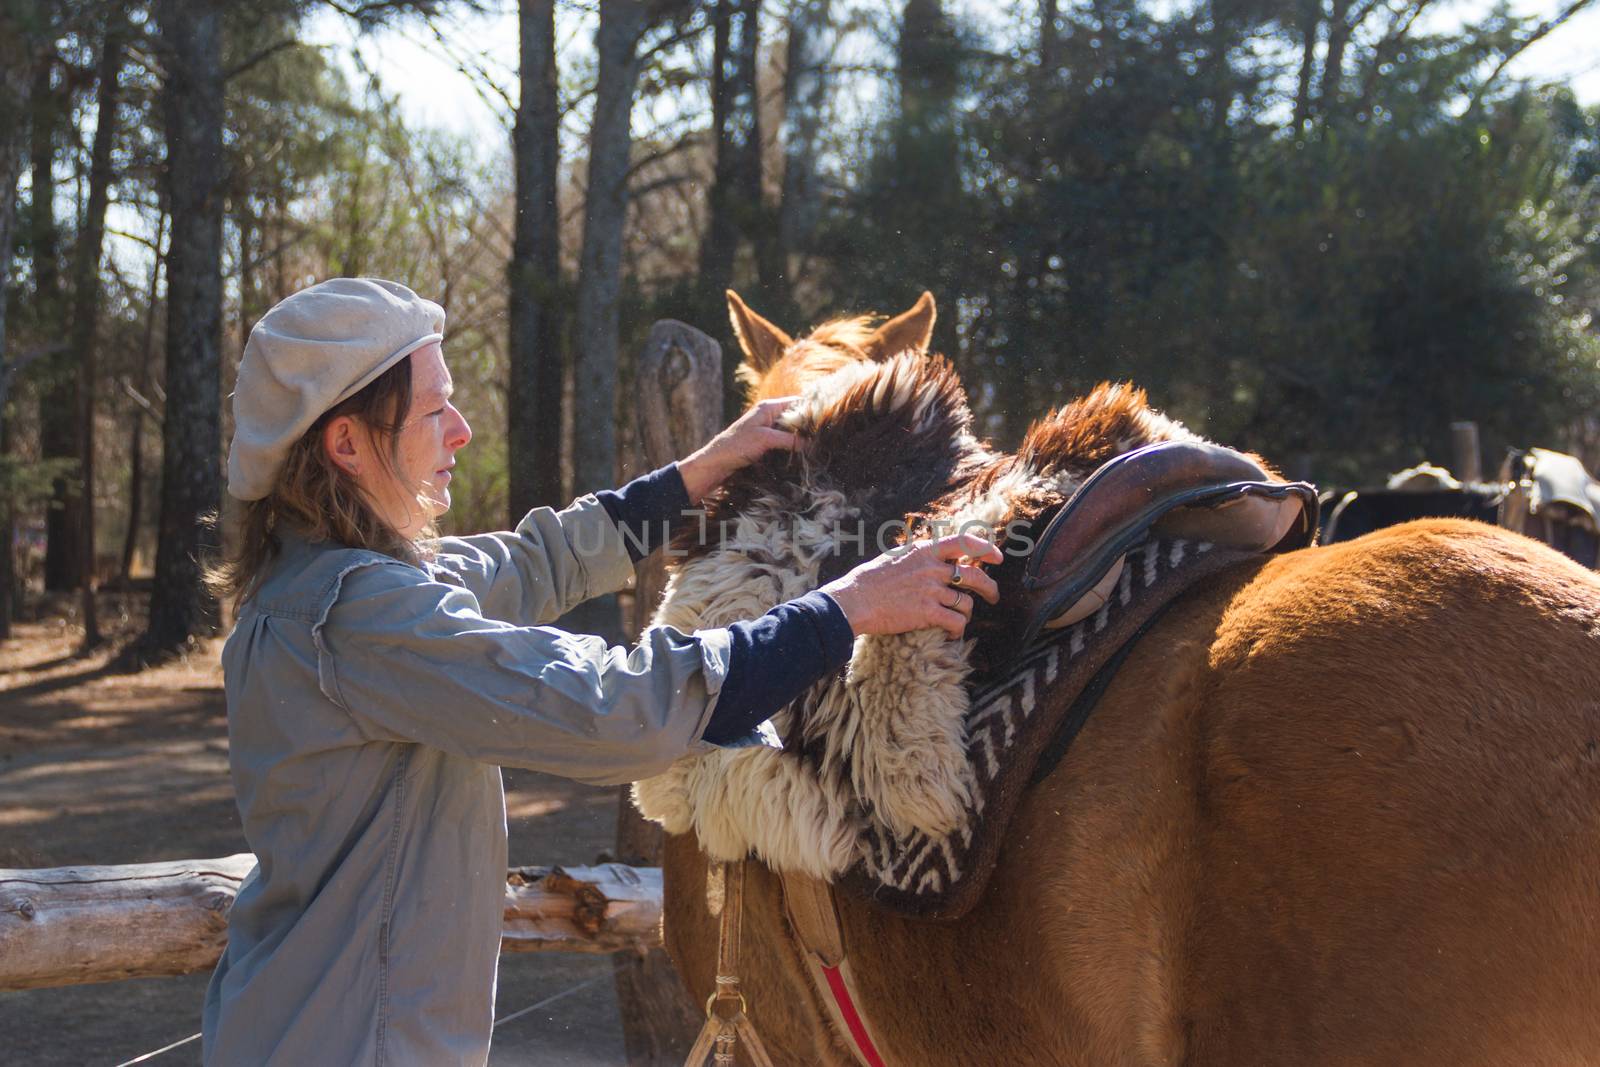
{"x":1175,"y":489}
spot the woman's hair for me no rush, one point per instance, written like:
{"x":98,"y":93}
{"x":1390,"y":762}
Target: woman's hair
{"x":317,"y":498}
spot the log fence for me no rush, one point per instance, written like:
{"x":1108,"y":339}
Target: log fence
{"x":77,"y":925}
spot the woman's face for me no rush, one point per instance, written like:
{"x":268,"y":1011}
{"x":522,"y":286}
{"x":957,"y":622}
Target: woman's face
{"x":417,"y":488}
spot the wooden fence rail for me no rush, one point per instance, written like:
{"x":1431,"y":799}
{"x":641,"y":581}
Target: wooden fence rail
{"x":75,"y":925}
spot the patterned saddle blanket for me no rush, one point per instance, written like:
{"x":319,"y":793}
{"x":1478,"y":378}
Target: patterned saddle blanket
{"x":1019,"y":727}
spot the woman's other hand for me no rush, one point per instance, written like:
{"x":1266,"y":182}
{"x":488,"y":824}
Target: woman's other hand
{"x":926,"y":584}
{"x":750,"y":437}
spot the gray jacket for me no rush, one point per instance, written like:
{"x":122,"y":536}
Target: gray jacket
{"x":371,"y":705}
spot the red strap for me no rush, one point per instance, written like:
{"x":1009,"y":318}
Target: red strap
{"x":847,"y":1008}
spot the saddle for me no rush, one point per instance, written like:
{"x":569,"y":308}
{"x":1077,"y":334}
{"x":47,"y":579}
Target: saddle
{"x":1553,"y":480}
{"x":1551,"y":498}
{"x":1183,"y":489}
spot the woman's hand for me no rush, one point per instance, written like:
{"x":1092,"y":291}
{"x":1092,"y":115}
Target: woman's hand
{"x":752,"y":436}
{"x":927,"y":584}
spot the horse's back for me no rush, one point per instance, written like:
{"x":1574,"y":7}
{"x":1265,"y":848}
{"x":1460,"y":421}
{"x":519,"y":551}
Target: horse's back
{"x":1342,"y":806}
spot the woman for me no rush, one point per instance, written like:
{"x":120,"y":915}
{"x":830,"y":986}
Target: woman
{"x":378,"y":677}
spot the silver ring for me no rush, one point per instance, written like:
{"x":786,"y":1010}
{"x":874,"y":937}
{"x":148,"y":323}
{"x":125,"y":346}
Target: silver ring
{"x":955,"y":574}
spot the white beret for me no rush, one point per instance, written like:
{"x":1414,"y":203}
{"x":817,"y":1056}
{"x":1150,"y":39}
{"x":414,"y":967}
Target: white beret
{"x":312,"y":350}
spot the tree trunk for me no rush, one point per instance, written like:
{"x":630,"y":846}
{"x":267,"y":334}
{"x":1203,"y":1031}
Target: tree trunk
{"x":1339,"y":30}
{"x":535,"y":303}
{"x":86,"y":308}
{"x":9,"y":594}
{"x":735,"y":197}
{"x":180,"y":606}
{"x":15,"y":89}
{"x":600,"y":266}
{"x":1310,"y":20}
{"x":251,"y":241}
{"x":58,"y":399}
{"x":280,"y":237}
{"x":734,"y":200}
{"x":717,"y":245}
{"x":594,"y":386}
{"x":130,"y":537}
{"x":805,"y":94}
{"x":679,"y":404}
{"x":760,"y":216}
{"x":1049,"y":37}
{"x":1220,"y":74}
{"x":130,"y":540}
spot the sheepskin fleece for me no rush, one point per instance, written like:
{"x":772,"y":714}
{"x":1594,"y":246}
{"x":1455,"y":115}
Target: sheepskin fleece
{"x":883,"y":742}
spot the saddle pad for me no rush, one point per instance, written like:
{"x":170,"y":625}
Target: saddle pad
{"x":1009,"y":723}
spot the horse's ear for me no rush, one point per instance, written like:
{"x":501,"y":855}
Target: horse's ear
{"x":763,"y":343}
{"x":910,"y":331}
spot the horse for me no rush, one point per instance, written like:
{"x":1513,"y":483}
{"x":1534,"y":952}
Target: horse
{"x":1338,"y":805}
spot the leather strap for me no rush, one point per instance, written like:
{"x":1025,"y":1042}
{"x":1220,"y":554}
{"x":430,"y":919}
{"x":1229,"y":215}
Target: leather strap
{"x":729,"y":931}
{"x":720,"y":1036}
{"x":809,"y":904}
{"x":814,"y":918}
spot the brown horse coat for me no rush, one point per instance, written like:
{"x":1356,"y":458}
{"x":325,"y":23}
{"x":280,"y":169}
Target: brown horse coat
{"x":1337,"y":807}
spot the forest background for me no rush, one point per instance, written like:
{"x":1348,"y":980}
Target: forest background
{"x":1319,"y":229}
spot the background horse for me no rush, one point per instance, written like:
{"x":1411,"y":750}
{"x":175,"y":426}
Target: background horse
{"x":1338,"y":806}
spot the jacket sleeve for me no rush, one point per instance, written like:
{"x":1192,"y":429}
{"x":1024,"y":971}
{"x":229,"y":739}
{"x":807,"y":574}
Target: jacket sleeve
{"x":417,"y":660}
{"x":552,"y":562}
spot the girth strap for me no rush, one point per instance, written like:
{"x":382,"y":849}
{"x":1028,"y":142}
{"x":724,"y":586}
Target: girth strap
{"x":813,"y":916}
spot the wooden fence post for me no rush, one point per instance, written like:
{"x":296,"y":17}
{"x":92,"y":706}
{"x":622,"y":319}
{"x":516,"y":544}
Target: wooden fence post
{"x":679,"y":406}
{"x":1468,"y":456}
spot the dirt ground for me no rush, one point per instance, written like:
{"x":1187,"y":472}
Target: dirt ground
{"x":101,"y":768}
